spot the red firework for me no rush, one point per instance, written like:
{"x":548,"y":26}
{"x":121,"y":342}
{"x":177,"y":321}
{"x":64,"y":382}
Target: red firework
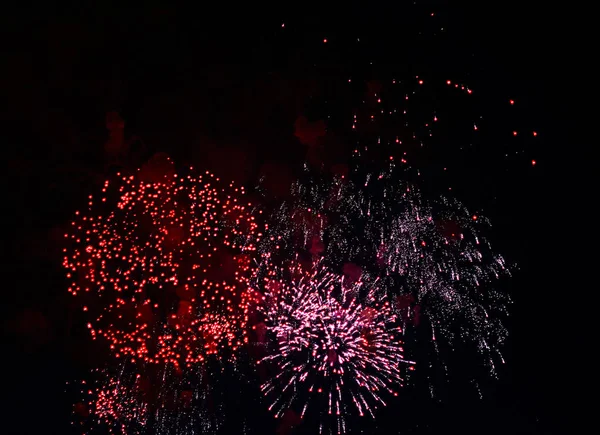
{"x":161,"y":266}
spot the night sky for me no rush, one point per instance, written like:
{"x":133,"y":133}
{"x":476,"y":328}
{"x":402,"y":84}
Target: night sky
{"x":222,"y":88}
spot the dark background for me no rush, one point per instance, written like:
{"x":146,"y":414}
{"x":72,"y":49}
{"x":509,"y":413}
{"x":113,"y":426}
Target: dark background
{"x":205,"y":84}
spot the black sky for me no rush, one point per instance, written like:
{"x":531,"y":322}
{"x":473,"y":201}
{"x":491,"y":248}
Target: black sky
{"x":203,"y":83}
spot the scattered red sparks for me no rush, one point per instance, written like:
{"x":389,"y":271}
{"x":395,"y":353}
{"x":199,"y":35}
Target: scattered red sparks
{"x":164,"y":271}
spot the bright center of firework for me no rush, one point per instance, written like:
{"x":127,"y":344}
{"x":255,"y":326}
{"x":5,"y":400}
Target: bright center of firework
{"x":333,"y":342}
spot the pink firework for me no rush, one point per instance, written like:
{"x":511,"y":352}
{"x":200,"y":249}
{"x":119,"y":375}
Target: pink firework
{"x":336,"y":343}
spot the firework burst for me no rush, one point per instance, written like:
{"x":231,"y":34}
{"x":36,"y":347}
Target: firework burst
{"x":335,"y":343}
{"x":148,"y":399}
{"x":161,"y":267}
{"x":429,"y":257}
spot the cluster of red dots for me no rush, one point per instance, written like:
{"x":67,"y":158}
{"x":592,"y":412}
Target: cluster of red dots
{"x":162,"y":267}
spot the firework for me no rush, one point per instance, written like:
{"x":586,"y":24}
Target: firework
{"x":148,"y":399}
{"x":161,"y":266}
{"x":116,"y":403}
{"x":335,"y":343}
{"x":429,"y":257}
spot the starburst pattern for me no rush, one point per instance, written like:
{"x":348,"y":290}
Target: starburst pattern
{"x":336,"y":342}
{"x":428,"y":254}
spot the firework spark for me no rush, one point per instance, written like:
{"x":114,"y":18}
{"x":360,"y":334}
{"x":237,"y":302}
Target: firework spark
{"x":162,"y":267}
{"x":336,"y":343}
{"x":429,"y":257}
{"x":148,"y":399}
